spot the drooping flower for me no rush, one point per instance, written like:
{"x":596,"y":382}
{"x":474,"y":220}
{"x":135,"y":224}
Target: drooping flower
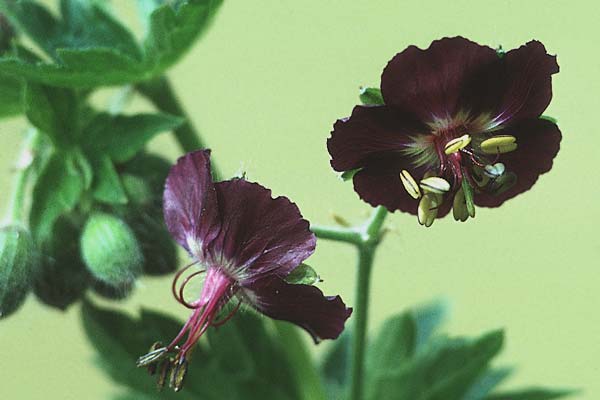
{"x":461,"y":126}
{"x":246,"y":244}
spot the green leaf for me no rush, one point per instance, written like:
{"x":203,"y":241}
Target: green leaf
{"x":107,"y":183}
{"x":532,"y":394}
{"x":56,"y":191}
{"x":335,"y":367}
{"x":122,"y":137}
{"x":428,"y":319}
{"x":486,"y":383}
{"x":104,"y":53}
{"x":244,"y":360}
{"x":53,"y":111}
{"x":371,"y":96}
{"x":395,"y":344}
{"x":297,"y":355}
{"x":303,"y":274}
{"x":444,"y":371}
{"x":11,"y":95}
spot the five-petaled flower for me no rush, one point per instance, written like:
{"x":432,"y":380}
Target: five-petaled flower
{"x":246,"y":243}
{"x":461,"y":126}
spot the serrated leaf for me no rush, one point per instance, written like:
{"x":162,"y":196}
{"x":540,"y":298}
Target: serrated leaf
{"x":395,"y":344}
{"x":106,"y":56}
{"x":11,"y":96}
{"x":53,"y":111}
{"x":212,"y":373}
{"x":56,"y":191}
{"x":83,"y":24}
{"x":107,"y":186}
{"x":428,"y":319}
{"x":486,"y":383}
{"x":371,"y":96}
{"x":303,"y":274}
{"x":121,"y":137}
{"x":443,"y":372}
{"x":532,"y":394}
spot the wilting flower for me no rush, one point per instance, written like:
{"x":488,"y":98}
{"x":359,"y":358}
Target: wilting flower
{"x":246,"y":244}
{"x":460,"y":127}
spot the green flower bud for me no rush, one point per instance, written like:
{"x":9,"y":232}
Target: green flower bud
{"x":63,"y":277}
{"x":110,"y":250}
{"x":18,"y":264}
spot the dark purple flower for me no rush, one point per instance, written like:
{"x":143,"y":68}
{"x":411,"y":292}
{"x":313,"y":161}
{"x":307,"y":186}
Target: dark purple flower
{"x":460,"y":127}
{"x":246,"y":244}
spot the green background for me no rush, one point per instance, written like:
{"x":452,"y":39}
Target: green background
{"x":265,"y":86}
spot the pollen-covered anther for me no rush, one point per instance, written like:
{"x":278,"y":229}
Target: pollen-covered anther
{"x":428,"y":208}
{"x":459,"y":206}
{"x":494,"y":170}
{"x":410,"y":184}
{"x":178,"y":373}
{"x":457,"y":144}
{"x":435,"y":184}
{"x":499,"y":144}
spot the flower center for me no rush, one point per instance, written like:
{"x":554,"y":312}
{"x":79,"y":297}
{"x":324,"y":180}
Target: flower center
{"x":468,"y":164}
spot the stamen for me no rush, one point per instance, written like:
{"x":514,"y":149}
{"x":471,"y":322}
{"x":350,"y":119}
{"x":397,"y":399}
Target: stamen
{"x":459,"y":206}
{"x":435,"y":184}
{"x":468,"y":193}
{"x":495,"y":170}
{"x":499,"y":144}
{"x":178,"y":374}
{"x":165,"y":368}
{"x":156,"y":353}
{"x":410,"y":184}
{"x":428,"y":208}
{"x":457,"y":144}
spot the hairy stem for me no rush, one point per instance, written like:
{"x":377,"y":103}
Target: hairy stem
{"x":366,"y":238}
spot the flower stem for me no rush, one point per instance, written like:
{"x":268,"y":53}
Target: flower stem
{"x":161,"y":94}
{"x":366,"y":238}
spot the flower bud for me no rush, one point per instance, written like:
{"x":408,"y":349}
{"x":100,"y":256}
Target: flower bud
{"x":63,"y":277}
{"x":18,"y":264}
{"x":110,"y":250}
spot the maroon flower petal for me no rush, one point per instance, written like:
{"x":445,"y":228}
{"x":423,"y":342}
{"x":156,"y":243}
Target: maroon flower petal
{"x":369,"y":131}
{"x":538,"y":143}
{"x":190,"y":202}
{"x":379,"y":184}
{"x":262,"y":234}
{"x":524,"y":82}
{"x":304,"y":305}
{"x":429,"y":83}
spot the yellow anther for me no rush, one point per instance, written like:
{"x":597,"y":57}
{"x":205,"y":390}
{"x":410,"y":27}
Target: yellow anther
{"x":499,"y":144}
{"x":457,"y":144}
{"x":459,"y":207}
{"x":435,"y":184}
{"x":428,"y":208}
{"x":410,"y":184}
